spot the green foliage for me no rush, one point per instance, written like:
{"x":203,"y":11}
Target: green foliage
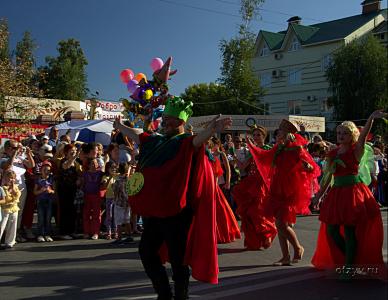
{"x":237,"y":54}
{"x":16,"y":75}
{"x":212,"y":98}
{"x":64,"y":77}
{"x":4,"y":41}
{"x":358,"y":79}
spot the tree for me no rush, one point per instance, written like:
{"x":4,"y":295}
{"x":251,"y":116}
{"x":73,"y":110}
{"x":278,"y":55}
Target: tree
{"x":64,"y":77}
{"x":237,"y":54}
{"x":208,"y":99}
{"x":358,"y":79}
{"x":237,"y":91}
{"x":16,"y":76}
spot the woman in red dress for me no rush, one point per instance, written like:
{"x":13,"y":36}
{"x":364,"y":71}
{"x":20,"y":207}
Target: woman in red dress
{"x":289,"y":171}
{"x":249,"y":194}
{"x":227,"y":228}
{"x":351,"y":235}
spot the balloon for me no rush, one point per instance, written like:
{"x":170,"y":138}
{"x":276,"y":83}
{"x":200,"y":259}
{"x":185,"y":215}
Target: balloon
{"x":148,"y":95}
{"x":132,"y":85}
{"x":156,"y":64}
{"x":126,"y":75}
{"x":140,"y":76}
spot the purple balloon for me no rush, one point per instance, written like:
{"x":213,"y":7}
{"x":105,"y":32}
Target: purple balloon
{"x":132,"y":86}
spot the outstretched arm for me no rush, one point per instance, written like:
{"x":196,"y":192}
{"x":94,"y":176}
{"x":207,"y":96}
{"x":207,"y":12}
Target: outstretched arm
{"x":216,"y":125}
{"x":132,"y":133}
{"x":359,"y":150}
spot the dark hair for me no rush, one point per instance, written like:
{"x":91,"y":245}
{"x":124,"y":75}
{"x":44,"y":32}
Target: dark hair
{"x":87,"y":148}
{"x":123,"y":168}
{"x":109,"y":165}
{"x":120,"y":139}
{"x":111,"y":147}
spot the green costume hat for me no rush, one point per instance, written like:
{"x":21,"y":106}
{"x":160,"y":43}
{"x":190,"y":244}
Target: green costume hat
{"x":178,"y":108}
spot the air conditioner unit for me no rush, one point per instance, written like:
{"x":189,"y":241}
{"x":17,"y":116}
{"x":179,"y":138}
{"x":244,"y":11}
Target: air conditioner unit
{"x":278,"y":56}
{"x":276,"y":73}
{"x":311,"y":98}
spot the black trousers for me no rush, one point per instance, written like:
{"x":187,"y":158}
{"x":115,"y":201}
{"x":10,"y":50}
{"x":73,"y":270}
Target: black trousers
{"x":174,"y":231}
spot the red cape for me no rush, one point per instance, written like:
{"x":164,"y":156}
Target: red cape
{"x":290,"y":185}
{"x":187,"y":177}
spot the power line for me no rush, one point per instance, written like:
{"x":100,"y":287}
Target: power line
{"x":213,"y":11}
{"x":270,"y":11}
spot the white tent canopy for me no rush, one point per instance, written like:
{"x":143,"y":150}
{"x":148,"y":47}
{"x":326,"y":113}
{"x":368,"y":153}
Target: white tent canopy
{"x":86,"y":131}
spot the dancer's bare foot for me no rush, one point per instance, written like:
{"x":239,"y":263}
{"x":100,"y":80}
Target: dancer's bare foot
{"x":284,"y":261}
{"x":298,"y":255}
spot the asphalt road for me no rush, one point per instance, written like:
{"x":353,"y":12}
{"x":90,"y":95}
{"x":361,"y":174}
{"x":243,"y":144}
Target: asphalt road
{"x":86,"y":269}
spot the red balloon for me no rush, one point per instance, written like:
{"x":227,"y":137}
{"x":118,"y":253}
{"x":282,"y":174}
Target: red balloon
{"x":126,"y":75}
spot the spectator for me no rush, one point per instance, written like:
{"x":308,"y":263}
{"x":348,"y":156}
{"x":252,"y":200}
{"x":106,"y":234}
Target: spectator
{"x":44,"y":140}
{"x":53,"y":138}
{"x":69,"y":170}
{"x":92,"y":201}
{"x":44,"y":191}
{"x":242,"y":154}
{"x":122,"y":213}
{"x":107,"y":183}
{"x":10,"y":208}
{"x":19,"y":164}
{"x":303,"y":132}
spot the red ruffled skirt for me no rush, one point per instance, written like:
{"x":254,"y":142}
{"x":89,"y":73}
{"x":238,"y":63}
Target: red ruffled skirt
{"x":259,"y":231}
{"x":227,"y":228}
{"x":352,"y":205}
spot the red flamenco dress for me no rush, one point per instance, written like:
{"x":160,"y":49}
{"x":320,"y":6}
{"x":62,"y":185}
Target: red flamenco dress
{"x":350,"y":203}
{"x":227,"y":229}
{"x":250,"y":194}
{"x":290,"y":185}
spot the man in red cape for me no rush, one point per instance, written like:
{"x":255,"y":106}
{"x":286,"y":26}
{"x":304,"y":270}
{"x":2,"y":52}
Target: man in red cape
{"x":176,"y":201}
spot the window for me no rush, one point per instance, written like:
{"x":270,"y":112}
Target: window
{"x":294,"y":76}
{"x":295,"y":44}
{"x":294,"y":107}
{"x":266,"y":80}
{"x":264,"y":51}
{"x":327,"y":61}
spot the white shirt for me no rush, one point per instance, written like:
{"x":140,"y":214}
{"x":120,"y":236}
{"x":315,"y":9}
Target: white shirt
{"x":242,"y":155}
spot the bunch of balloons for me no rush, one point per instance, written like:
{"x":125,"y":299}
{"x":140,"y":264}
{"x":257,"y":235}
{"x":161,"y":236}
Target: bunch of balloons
{"x":148,"y":96}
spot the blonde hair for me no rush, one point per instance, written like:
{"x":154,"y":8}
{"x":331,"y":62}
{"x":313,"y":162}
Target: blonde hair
{"x":349,"y":125}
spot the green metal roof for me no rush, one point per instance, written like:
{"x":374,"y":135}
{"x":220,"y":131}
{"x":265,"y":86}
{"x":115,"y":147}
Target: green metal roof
{"x":304,"y":33}
{"x":273,"y":40}
{"x":321,"y":32}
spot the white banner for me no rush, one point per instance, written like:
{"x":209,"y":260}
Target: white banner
{"x":106,"y":109}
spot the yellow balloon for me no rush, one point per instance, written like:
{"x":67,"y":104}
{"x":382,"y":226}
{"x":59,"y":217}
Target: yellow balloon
{"x":148,"y":95}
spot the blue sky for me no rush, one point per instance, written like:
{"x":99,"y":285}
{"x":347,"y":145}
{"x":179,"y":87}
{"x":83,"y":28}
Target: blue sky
{"x":119,"y":34}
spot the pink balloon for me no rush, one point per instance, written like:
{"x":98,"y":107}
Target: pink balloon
{"x":132,"y":86}
{"x":156,"y":64}
{"x":126,"y":75}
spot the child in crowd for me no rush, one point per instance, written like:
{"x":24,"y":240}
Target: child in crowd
{"x":9,"y":208}
{"x":44,"y":192}
{"x":122,"y":214}
{"x":92,"y":205}
{"x":100,"y":156}
{"x":107,"y":183}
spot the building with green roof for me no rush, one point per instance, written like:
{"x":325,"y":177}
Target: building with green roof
{"x":291,"y":64}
